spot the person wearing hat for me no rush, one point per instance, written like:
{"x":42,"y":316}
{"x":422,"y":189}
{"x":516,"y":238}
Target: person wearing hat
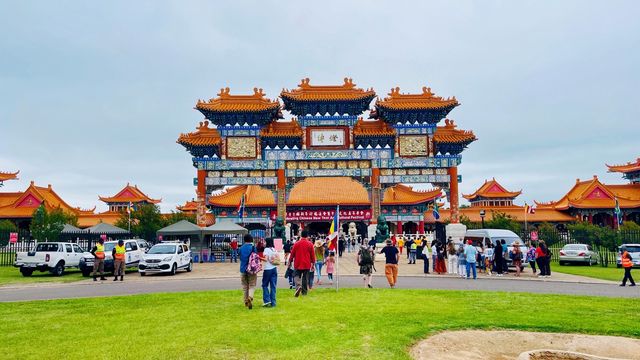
{"x":516,"y":257}
{"x":119,"y":256}
{"x":98,"y":262}
{"x":392,"y":256}
{"x":318,"y":248}
{"x":471,"y":254}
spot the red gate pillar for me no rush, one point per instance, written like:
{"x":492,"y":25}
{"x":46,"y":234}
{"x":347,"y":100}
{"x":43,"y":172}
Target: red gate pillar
{"x":399,"y":227}
{"x":201,"y":193}
{"x":375,"y":195}
{"x":281,"y":195}
{"x":453,"y":194}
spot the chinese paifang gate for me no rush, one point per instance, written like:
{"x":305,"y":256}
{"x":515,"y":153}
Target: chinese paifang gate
{"x":326,"y":154}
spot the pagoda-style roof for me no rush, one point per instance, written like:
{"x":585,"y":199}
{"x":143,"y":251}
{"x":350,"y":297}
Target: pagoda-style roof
{"x":492,"y":190}
{"x":592,"y":194}
{"x":230,"y":109}
{"x":450,"y":135}
{"x":629,"y":167}
{"x":254,"y":196}
{"x":424,"y":107}
{"x":323,"y":191}
{"x":188,"y":207}
{"x":23,"y":204}
{"x":373,"y":128}
{"x":204,"y":136}
{"x":4,"y":176}
{"x":107,"y":217}
{"x":405,"y":195}
{"x":314,"y":99}
{"x":282,"y":129}
{"x":130,"y":194}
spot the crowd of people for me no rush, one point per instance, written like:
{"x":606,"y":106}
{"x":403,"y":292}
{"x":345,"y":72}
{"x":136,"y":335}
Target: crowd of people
{"x":309,"y":258}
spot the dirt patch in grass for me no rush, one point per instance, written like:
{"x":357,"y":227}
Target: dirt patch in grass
{"x":503,"y":345}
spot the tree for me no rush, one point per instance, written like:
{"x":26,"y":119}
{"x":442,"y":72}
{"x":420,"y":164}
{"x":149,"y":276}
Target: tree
{"x":145,"y":221}
{"x":595,"y":235}
{"x":629,"y":226}
{"x":174,"y":217}
{"x":548,"y":233}
{"x":500,"y":220}
{"x":7,"y":226}
{"x":47,"y":226}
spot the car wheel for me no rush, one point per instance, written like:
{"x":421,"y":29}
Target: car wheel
{"x":142,"y":273}
{"x":26,"y":272}
{"x":561,"y":263}
{"x":58,"y":270}
{"x":190,"y":267}
{"x":174,"y":269}
{"x":86,"y":273}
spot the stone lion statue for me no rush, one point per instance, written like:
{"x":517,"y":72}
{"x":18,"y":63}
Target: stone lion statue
{"x":382,"y":229}
{"x":353,"y":230}
{"x":279,"y":230}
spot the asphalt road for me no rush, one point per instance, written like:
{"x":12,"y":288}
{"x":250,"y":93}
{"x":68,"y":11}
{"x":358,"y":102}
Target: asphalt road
{"x":110,"y":288}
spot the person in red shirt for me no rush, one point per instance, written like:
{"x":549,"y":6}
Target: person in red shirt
{"x":234,"y":250}
{"x":302,"y":256}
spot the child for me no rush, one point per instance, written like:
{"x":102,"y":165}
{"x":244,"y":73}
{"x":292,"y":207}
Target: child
{"x":330,"y":263}
{"x":310,"y":279}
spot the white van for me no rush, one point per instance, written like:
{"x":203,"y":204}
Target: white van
{"x":483,"y":236}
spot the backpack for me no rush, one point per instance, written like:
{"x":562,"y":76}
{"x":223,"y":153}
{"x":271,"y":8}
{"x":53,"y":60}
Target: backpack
{"x":365,"y":258}
{"x":254,"y":265}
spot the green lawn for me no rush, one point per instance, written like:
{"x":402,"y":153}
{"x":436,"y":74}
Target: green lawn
{"x":596,"y":271}
{"x":351,"y":324}
{"x":11,"y":275}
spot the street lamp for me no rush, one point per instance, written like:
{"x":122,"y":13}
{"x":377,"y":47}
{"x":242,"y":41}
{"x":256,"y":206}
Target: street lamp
{"x":482,"y":214}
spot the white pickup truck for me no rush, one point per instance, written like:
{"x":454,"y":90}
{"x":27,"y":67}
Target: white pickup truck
{"x":49,"y":256}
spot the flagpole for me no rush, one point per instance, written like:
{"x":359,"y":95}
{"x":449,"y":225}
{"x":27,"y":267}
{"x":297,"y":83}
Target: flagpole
{"x":526,"y":210}
{"x":337,"y":248}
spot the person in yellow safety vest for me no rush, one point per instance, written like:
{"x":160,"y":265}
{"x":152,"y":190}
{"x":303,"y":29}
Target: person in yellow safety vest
{"x":627,"y":264}
{"x":119,"y":260}
{"x":98,"y":262}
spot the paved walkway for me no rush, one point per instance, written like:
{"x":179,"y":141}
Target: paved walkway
{"x":219,"y":276}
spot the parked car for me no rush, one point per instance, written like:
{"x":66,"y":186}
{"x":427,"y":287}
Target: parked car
{"x":132,"y":257}
{"x":481,"y":236}
{"x":166,"y":257}
{"x":54,"y":257}
{"x":144,"y":245}
{"x":634,"y":251}
{"x":578,"y":253}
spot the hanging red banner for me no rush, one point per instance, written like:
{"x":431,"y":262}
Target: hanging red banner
{"x":324,"y":215}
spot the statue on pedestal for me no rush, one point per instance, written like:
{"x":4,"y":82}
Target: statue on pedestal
{"x":382,"y":229}
{"x":279,"y":230}
{"x":353,"y":230}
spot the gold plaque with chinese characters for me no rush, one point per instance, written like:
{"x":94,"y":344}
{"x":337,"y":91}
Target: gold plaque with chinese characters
{"x":413,"y":145}
{"x":241,"y":148}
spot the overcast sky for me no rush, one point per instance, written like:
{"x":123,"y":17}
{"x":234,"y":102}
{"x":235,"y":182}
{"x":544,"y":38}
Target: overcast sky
{"x":94,"y":94}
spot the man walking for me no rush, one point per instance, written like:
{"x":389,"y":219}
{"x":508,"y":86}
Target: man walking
{"x":98,"y":262}
{"x":471,"y":253}
{"x":302,"y":256}
{"x":119,"y":260}
{"x":391,"y":255}
{"x":413,"y":250}
{"x":627,"y":264}
{"x":247,"y":279}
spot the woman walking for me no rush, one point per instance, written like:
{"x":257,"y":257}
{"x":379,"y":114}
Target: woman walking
{"x":270,"y":274}
{"x":452,"y":258}
{"x":365,"y":261}
{"x":531,"y":257}
{"x":319,"y":251}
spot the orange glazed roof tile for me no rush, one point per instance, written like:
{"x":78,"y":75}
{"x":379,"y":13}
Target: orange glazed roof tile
{"x":492,"y":189}
{"x":23,"y":204}
{"x":425,"y":101}
{"x":373,"y":128}
{"x":593,"y":194}
{"x":403,"y":194}
{"x":254,"y":196}
{"x":107,"y":217}
{"x":204,"y":136}
{"x":4,"y":176}
{"x":188,"y":206}
{"x":282,"y":129}
{"x":225,"y":102}
{"x":129,"y":194}
{"x":328,"y":191}
{"x":449,"y":134}
{"x":628,"y":167}
{"x":346,"y":91}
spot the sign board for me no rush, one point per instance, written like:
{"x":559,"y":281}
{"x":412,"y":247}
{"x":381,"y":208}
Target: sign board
{"x":534,"y":235}
{"x":325,"y":215}
{"x":327,"y":137}
{"x":13,"y":237}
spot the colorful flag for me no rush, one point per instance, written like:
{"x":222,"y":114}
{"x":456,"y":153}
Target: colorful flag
{"x":241,"y":207}
{"x":436,"y":211}
{"x":334,"y":229}
{"x":529,"y":209}
{"x":618,"y":212}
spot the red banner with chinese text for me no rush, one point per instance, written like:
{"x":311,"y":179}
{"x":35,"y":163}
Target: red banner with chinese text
{"x":325,"y":215}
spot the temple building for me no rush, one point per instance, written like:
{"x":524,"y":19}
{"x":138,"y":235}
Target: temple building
{"x":491,"y":197}
{"x":630,"y":170}
{"x":326,"y":154}
{"x":128,"y":196}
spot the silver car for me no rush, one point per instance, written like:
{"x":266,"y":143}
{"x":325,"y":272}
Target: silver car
{"x":578,"y":253}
